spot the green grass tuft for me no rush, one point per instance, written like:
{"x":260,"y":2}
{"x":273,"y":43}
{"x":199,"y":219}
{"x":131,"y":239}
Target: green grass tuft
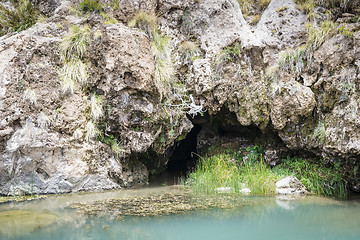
{"x":188,"y":51}
{"x":160,"y":45}
{"x":23,"y":16}
{"x":74,"y":44}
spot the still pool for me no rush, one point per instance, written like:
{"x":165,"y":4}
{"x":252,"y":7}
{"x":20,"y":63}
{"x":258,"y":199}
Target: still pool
{"x":254,"y":218}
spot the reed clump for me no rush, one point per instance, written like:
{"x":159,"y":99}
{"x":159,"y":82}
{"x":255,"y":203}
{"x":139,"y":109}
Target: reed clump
{"x":234,"y":171}
{"x":246,"y":168}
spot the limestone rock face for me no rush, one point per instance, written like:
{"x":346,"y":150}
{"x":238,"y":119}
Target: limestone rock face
{"x":293,"y":102}
{"x":43,"y":143}
{"x":311,"y":105}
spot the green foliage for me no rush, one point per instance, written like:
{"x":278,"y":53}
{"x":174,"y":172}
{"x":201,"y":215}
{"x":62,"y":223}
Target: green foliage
{"x":107,"y":19}
{"x":318,"y":35}
{"x":316,"y":176}
{"x":346,"y":32}
{"x":23,"y":16}
{"x":214,"y":172}
{"x":90,"y":6}
{"x":231,"y":53}
{"x":308,"y":6}
{"x":295,"y":60}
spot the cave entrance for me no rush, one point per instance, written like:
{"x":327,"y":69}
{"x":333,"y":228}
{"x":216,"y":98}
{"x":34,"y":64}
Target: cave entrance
{"x":211,"y":135}
{"x":181,"y":159}
{"x":184,"y":155}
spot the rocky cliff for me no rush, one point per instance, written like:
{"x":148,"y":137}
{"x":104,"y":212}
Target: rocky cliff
{"x":96,"y":97}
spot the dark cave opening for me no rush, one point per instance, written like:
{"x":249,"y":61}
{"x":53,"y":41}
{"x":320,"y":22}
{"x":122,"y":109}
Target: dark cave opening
{"x":184,"y":154}
{"x":222,"y":131}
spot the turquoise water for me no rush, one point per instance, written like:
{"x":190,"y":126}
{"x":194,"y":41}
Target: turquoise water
{"x":263,"y":218}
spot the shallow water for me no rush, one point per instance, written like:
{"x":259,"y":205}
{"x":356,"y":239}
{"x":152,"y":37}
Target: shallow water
{"x":259,"y":218}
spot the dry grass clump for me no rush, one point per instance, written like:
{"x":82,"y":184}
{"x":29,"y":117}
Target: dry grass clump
{"x":30,"y":95}
{"x":146,"y":22}
{"x":189,"y":50}
{"x":96,"y":109}
{"x":91,"y":131}
{"x":160,"y":45}
{"x":252,"y":9}
{"x":73,"y":49}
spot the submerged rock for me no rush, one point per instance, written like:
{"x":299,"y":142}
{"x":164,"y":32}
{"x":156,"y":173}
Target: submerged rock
{"x":21,"y":222}
{"x":290,"y":185}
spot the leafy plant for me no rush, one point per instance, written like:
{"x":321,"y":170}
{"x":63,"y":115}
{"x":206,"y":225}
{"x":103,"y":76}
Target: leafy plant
{"x":21,"y":17}
{"x":246,"y":168}
{"x":320,"y":132}
{"x":115,"y":4}
{"x":107,"y":19}
{"x":318,"y":35}
{"x":115,"y":144}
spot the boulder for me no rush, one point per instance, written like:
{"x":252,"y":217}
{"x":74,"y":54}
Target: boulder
{"x":290,"y":185}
